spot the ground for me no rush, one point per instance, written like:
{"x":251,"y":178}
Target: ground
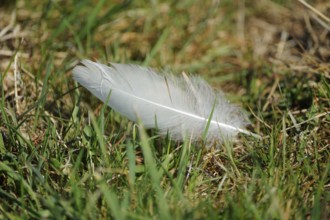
{"x":65,"y":155}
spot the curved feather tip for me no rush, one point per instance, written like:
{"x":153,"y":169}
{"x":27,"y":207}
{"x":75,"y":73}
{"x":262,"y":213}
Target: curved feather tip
{"x":183,"y":107}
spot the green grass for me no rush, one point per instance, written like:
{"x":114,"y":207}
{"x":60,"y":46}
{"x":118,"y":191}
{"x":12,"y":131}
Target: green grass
{"x":64,"y":155}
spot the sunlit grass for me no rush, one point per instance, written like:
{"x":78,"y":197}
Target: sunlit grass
{"x":63,"y":154}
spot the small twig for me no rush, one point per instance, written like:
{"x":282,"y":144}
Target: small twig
{"x":308,"y":120}
{"x":281,"y":44}
{"x":311,"y":31}
{"x":9,"y":26}
{"x":315,"y":10}
{"x":294,"y":121}
{"x":259,"y":119}
{"x":31,"y":76}
{"x":189,"y":169}
{"x":9,"y":53}
{"x":271,"y":94}
{"x":321,"y":22}
{"x":304,"y":122}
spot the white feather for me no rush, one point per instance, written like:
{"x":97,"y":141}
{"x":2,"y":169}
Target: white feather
{"x":179,"y":106}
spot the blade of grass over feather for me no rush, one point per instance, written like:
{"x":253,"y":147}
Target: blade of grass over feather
{"x":208,"y":124}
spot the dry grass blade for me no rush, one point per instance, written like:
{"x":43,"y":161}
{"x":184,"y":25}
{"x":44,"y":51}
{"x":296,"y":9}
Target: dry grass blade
{"x":325,"y":18}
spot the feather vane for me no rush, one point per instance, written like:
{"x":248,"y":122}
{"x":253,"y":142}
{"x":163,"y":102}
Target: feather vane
{"x":183,"y":107}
